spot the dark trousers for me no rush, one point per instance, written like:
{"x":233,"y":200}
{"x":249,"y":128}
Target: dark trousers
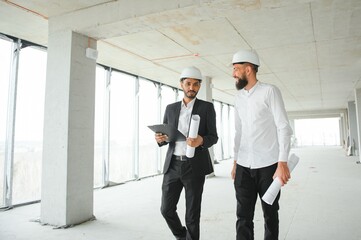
{"x":248,"y":183}
{"x":179,"y":176}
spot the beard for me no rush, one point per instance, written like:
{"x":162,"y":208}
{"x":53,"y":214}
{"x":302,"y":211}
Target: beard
{"x":191,"y":94}
{"x":241,"y":82}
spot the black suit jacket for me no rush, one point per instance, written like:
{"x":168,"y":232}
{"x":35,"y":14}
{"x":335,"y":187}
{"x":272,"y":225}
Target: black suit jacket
{"x":201,"y":162}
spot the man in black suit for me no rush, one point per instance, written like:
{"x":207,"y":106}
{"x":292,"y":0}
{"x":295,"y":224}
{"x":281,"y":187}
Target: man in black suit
{"x":182,"y":172}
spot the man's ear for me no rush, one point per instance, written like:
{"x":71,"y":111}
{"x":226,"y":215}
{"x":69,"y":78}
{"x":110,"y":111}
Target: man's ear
{"x":248,"y":69}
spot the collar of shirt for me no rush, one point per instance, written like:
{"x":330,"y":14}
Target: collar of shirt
{"x":189,"y":105}
{"x":249,"y":92}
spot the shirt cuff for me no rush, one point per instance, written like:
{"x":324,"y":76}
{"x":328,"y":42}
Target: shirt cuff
{"x":283,"y":157}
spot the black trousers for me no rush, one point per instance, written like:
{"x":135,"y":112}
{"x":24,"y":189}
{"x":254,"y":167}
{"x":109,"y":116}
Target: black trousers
{"x":248,"y":183}
{"x":179,"y":176}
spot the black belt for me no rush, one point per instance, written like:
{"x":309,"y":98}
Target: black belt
{"x":180,"y":158}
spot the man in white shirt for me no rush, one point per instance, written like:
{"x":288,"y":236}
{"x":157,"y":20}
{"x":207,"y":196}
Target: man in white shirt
{"x":262,"y":145}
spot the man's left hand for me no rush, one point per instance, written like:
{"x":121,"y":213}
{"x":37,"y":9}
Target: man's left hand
{"x":195,"y":142}
{"x":282,"y":172}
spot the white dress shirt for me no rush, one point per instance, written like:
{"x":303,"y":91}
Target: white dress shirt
{"x":183,"y":126}
{"x":263,"y":133}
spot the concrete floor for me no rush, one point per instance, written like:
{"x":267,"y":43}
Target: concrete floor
{"x":319,"y":203}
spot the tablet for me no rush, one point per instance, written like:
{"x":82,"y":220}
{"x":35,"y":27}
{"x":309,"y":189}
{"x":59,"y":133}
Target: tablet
{"x":173,"y":134}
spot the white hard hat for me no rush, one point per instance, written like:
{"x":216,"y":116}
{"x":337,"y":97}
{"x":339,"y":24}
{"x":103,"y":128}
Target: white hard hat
{"x":249,"y":56}
{"x":191,"y":72}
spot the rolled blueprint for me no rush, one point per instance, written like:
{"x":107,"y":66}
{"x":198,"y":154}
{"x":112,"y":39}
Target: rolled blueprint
{"x":276,"y":185}
{"x":193,"y":133}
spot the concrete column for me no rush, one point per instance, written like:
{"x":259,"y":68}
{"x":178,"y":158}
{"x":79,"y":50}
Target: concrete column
{"x":340,"y":123}
{"x":358,"y":116}
{"x":68,"y":150}
{"x":205,"y":93}
{"x":352,"y":131}
{"x":345,"y":125}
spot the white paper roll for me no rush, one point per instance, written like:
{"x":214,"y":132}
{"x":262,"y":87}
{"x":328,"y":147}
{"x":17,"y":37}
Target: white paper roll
{"x":276,"y":185}
{"x":193,"y":133}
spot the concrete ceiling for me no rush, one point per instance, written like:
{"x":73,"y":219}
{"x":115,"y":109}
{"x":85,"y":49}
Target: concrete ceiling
{"x":310,"y":49}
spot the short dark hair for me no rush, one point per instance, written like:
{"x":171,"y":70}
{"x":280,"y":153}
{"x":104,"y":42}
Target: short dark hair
{"x":199,"y":80}
{"x":254,"y":66}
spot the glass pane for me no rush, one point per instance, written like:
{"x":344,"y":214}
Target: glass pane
{"x":148,"y":105}
{"x":168,"y":96}
{"x":99,"y":124}
{"x":121,"y":137}
{"x":5,"y":64}
{"x":231,"y":131}
{"x":180,"y":95}
{"x":225,"y":131}
{"x":28,"y":144}
{"x":317,"y":132}
{"x":218,"y":154}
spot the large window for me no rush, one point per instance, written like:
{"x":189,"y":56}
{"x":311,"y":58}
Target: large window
{"x":100,"y":124}
{"x":231,"y":131}
{"x":5,"y":65}
{"x":317,"y":132}
{"x":22,"y":94}
{"x":124,"y":147}
{"x":168,"y":96}
{"x":218,"y":151}
{"x":122,"y":127}
{"x":148,"y":115}
{"x":28,"y":144}
{"x":225,"y":128}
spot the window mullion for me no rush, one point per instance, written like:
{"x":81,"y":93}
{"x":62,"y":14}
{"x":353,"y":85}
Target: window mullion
{"x":10,"y":128}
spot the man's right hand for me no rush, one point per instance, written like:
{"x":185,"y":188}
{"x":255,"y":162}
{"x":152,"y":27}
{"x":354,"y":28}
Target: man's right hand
{"x":160,"y":137}
{"x":233,"y":172}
